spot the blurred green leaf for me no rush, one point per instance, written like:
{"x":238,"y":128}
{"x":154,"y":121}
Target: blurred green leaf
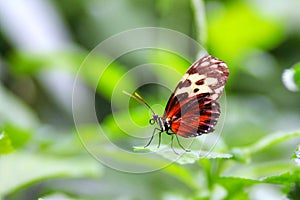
{"x":100,"y":150}
{"x":264,"y":143}
{"x":236,"y":186}
{"x":105,"y":77}
{"x":18,"y":136}
{"x":173,"y":61}
{"x":286,"y":178}
{"x":233,"y":31}
{"x":14,"y":111}
{"x":135,"y":123}
{"x":296,"y":67}
{"x":260,"y":170}
{"x":25,"y":63}
{"x":5,"y":143}
{"x":34,"y":167}
{"x":49,"y":140}
{"x":182,"y":174}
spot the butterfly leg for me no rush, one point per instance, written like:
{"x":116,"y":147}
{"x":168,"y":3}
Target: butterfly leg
{"x":172,"y":138}
{"x":153,"y":137}
{"x":159,"y":139}
{"x":186,"y":150}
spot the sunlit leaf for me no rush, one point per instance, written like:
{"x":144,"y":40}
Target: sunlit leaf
{"x":238,"y":28}
{"x":32,"y":63}
{"x":18,"y":135}
{"x":5,"y":143}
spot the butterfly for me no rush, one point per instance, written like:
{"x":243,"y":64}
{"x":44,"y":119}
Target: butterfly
{"x":193,"y":108}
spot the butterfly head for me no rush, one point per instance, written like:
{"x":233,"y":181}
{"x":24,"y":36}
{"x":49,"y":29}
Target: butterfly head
{"x":163,"y":125}
{"x":154,"y":119}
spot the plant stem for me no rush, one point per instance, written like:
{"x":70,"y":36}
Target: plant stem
{"x":200,"y":17}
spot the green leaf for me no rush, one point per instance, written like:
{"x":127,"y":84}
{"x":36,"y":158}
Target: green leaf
{"x":19,"y":169}
{"x":236,"y":186}
{"x":261,"y":170}
{"x":181,"y":157}
{"x":296,"y":67}
{"x":5,"y":144}
{"x":31,"y":63}
{"x":118,"y":158}
{"x":18,"y":136}
{"x":244,"y":153}
{"x":284,"y":178}
{"x":233,"y":31}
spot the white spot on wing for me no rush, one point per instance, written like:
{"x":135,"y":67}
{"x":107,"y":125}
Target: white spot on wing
{"x":214,"y":96}
{"x":203,"y":89}
{"x":195,"y":77}
{"x":205,"y":64}
{"x":219,"y":90}
{"x":210,"y":81}
{"x":190,"y":90}
{"x":214,"y":66}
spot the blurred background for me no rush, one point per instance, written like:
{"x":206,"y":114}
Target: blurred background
{"x":44,"y":43}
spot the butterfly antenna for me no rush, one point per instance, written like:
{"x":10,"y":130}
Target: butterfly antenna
{"x":140,"y":99}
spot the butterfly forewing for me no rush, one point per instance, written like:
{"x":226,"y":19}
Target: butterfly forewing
{"x":193,"y":108}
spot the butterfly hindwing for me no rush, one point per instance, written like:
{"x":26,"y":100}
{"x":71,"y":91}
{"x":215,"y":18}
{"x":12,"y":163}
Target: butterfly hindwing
{"x":193,"y":108}
{"x":201,"y":117}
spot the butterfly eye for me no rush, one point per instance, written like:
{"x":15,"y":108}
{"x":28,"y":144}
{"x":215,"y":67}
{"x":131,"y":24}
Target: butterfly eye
{"x":152,"y":121}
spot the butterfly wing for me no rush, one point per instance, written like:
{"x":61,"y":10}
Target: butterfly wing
{"x":193,"y":108}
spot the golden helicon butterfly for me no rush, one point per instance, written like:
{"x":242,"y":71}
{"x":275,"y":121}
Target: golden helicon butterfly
{"x":193,"y":107}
